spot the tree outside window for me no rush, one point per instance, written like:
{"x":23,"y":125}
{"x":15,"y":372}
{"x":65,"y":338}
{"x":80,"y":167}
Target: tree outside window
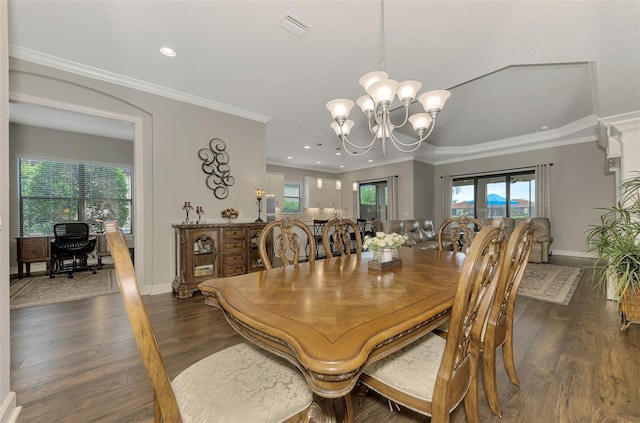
{"x":53,"y":192}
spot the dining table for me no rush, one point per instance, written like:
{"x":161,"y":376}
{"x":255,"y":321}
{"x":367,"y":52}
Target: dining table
{"x":333,"y":317}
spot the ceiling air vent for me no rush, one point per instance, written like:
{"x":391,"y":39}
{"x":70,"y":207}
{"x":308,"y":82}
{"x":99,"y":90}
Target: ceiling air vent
{"x":294,"y":25}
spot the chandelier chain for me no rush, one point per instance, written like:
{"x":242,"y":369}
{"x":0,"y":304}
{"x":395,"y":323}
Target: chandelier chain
{"x":383,"y":52}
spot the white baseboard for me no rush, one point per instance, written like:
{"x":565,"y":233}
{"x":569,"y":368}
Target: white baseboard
{"x":160,"y":289}
{"x":8,"y":411}
{"x":572,"y":253}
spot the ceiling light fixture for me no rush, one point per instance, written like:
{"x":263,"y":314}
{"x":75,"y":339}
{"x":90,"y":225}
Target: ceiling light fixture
{"x":376,"y":105}
{"x":168,"y":51}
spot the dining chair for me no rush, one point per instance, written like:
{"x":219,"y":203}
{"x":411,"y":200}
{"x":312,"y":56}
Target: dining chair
{"x":433,"y":375}
{"x":456,"y":233}
{"x":318,"y":228}
{"x":341,"y":237}
{"x":238,"y":384}
{"x":499,"y":328}
{"x":286,"y":242}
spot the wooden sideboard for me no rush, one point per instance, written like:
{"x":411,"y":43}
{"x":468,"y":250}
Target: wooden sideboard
{"x":213,"y":250}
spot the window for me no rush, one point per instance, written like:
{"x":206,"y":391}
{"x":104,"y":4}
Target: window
{"x":291,"y":198}
{"x":373,"y":200}
{"x":51,"y":192}
{"x":500,"y":195}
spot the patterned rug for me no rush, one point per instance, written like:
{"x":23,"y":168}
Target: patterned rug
{"x":39,"y":290}
{"x":550,"y":282}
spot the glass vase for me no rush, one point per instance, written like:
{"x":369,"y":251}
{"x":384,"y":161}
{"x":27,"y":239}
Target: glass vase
{"x":385,"y":254}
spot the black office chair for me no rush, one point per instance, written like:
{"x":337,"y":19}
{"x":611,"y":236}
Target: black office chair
{"x":71,"y":242}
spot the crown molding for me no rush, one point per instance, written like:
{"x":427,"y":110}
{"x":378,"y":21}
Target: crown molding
{"x":114,"y":78}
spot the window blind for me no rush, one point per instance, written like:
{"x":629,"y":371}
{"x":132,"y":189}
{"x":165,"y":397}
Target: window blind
{"x":52,"y":191}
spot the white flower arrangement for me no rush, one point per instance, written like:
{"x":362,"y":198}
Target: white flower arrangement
{"x":383,"y":240}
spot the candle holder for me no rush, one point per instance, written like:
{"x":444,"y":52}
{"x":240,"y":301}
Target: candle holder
{"x":187,"y":208}
{"x":199,"y":212}
{"x":259,"y":196}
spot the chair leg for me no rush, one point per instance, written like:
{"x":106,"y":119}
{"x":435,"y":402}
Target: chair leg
{"x":471,"y":406}
{"x":509,"y":362}
{"x":156,"y":410}
{"x":489,"y":379}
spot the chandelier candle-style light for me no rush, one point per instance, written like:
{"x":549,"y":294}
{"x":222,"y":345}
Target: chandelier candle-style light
{"x":377,"y":106}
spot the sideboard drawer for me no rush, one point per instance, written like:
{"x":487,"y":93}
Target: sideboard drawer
{"x":234,"y":244}
{"x":233,"y":233}
{"x":235,"y":270}
{"x":232,"y":258}
{"x":33,"y":248}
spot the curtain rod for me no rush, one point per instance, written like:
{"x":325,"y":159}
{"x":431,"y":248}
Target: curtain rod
{"x":498,"y":172}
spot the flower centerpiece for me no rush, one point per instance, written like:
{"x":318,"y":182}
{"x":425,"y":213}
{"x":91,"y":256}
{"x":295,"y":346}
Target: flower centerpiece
{"x":384,"y":246}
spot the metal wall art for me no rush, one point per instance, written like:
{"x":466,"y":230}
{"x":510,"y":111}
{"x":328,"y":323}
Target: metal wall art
{"x":215,"y":163}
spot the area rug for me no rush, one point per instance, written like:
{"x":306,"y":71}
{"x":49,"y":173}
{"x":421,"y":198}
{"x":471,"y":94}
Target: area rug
{"x":39,"y":290}
{"x":550,"y":282}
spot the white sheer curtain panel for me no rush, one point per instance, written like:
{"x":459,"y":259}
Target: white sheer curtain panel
{"x":447,"y":185}
{"x":543,"y":190}
{"x":392,"y":207}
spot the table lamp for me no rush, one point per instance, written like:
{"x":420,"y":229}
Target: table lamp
{"x":259,"y":196}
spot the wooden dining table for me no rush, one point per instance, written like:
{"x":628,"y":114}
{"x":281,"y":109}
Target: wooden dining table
{"x":333,"y":317}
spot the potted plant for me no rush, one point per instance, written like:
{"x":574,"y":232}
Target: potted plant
{"x":616,"y":242}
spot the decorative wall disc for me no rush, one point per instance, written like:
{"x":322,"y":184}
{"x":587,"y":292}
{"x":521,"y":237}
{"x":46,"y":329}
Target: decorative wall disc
{"x":215,"y":163}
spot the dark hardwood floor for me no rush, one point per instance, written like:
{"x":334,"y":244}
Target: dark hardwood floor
{"x":78,"y":362}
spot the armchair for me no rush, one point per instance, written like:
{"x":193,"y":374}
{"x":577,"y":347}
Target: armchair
{"x":542,"y":239}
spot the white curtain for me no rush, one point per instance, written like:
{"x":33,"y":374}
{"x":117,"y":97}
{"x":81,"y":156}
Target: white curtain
{"x":543,"y":190}
{"x":447,"y":185}
{"x":392,"y":207}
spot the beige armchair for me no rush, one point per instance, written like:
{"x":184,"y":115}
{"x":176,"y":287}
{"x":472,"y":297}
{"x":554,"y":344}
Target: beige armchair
{"x":542,"y":240}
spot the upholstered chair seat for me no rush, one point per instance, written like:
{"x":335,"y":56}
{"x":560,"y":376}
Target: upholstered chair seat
{"x":241,"y":383}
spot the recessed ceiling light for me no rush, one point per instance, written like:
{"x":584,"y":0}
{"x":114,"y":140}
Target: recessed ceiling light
{"x":370,"y":160}
{"x":544,"y":127}
{"x":317,"y":162}
{"x":307,"y":147}
{"x":338,"y":154}
{"x":341,"y":165}
{"x":168,"y":51}
{"x":289,"y":157}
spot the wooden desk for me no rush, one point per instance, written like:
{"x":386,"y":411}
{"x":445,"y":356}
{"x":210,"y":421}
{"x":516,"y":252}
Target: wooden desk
{"x":32,"y":249}
{"x":332,"y":318}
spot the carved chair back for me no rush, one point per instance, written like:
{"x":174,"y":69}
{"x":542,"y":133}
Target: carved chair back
{"x":457,"y":233}
{"x":287,"y":244}
{"x":166,"y":405}
{"x":344,"y":231}
{"x":499,"y":328}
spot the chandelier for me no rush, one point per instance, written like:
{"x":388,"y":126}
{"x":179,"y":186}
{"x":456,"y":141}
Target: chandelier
{"x":377,"y":106}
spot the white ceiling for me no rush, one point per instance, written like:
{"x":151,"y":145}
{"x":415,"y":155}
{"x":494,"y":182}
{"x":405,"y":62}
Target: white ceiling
{"x":514,"y":67}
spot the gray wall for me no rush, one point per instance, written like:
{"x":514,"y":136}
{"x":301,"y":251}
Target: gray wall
{"x":167,"y":167}
{"x":579,"y":184}
{"x":37,"y":142}
{"x":404,"y":170}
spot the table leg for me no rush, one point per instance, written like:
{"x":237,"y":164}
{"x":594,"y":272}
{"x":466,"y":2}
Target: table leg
{"x":28,"y":266}
{"x":347,"y":406}
{"x":20,"y":270}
